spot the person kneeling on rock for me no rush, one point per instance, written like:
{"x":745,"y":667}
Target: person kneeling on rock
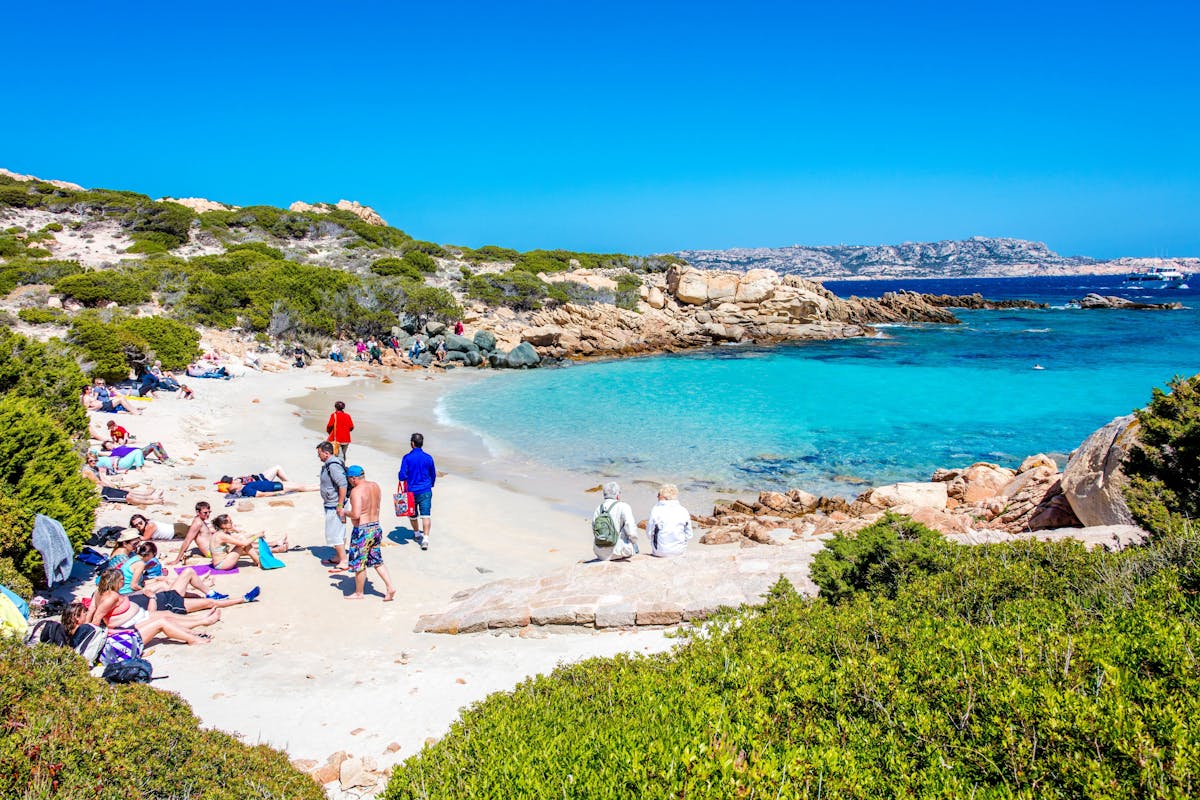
{"x":614,"y":532}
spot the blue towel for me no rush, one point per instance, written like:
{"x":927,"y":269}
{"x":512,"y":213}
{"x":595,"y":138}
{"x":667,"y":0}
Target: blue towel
{"x":266,"y":557}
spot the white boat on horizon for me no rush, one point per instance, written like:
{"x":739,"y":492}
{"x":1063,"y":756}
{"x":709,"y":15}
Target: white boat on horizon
{"x":1157,"y":277}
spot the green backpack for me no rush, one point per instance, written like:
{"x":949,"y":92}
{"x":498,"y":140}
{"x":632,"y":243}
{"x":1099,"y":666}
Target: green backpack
{"x":604,"y":530}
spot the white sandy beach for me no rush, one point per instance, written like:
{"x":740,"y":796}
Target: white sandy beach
{"x":305,"y":670}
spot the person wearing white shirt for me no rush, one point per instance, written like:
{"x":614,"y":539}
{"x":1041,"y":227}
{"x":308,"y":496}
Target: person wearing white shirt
{"x":623,"y":521}
{"x":670,"y":525}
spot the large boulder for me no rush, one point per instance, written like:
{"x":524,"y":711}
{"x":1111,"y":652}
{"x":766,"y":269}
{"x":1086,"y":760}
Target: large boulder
{"x":542,"y":336}
{"x":918,"y":495}
{"x":654,"y":298}
{"x":433,"y":327}
{"x":485,"y":341}
{"x":522,"y":356}
{"x":692,"y":288}
{"x":1093,"y":479}
{"x":722,"y":287}
{"x":461,"y":344}
{"x":983,"y":480}
{"x":757,"y":285}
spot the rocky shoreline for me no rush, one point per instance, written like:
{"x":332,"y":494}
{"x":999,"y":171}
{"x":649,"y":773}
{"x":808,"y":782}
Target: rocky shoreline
{"x":687,"y":308}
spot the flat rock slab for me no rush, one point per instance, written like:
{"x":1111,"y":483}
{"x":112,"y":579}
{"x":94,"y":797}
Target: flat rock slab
{"x":643,"y":591}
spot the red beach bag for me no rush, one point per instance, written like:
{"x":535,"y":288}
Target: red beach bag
{"x":404,"y":501}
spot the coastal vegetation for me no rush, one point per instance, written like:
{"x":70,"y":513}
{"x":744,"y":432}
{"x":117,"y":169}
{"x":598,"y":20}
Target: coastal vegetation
{"x":1164,"y":470}
{"x":1016,"y":670}
{"x":67,"y":734}
{"x":39,"y":462}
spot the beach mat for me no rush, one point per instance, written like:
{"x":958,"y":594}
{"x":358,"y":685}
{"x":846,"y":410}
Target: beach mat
{"x":206,"y":569}
{"x":266,"y":557}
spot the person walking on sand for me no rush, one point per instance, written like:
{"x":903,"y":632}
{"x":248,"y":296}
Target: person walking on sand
{"x":670,"y":524}
{"x":365,"y":536}
{"x":614,"y":531}
{"x":333,"y":496}
{"x":339,"y":426}
{"x":417,"y":470}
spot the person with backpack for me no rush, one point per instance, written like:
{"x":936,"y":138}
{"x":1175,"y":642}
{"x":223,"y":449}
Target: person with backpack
{"x":614,"y":530}
{"x":334,"y":490}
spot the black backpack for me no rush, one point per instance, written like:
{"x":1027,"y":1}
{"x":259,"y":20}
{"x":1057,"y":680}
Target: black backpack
{"x":48,"y":631}
{"x":131,"y":670}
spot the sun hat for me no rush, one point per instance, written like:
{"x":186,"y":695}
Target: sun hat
{"x":355,"y":471}
{"x":128,"y":535}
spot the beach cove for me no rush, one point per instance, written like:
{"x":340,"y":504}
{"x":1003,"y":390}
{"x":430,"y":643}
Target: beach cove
{"x":304,"y":670}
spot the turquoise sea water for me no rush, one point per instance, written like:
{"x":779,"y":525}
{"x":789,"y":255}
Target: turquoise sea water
{"x":831,"y":416}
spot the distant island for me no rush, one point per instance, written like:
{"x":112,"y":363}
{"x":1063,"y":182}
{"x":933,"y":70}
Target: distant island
{"x":977,"y":257}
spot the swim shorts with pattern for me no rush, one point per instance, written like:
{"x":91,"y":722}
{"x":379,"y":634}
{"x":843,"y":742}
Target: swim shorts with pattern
{"x":365,"y":541}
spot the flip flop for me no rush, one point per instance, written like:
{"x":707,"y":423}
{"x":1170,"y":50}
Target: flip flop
{"x":329,"y":562}
{"x":336,"y":570}
{"x":296,"y":549}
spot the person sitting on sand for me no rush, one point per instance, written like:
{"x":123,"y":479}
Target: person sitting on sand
{"x":116,"y":434}
{"x":185,"y":392}
{"x":335,"y":353}
{"x":623,"y":525}
{"x":166,"y":379}
{"x":171,"y":594}
{"x":113,"y":494}
{"x":105,"y":393}
{"x":148,"y":529}
{"x":670,"y":524}
{"x":229,"y":544}
{"x":199,"y":531}
{"x":114,"y":610}
{"x":121,"y":552}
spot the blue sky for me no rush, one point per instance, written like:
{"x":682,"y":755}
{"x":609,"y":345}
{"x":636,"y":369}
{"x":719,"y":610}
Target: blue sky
{"x":638,"y":127}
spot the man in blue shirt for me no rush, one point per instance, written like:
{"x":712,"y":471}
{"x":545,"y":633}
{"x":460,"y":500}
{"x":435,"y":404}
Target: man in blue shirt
{"x":417,"y":470}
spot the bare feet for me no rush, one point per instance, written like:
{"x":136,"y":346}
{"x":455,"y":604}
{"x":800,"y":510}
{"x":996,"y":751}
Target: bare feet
{"x":341,"y":568}
{"x":353,"y":597}
{"x":390,"y":596}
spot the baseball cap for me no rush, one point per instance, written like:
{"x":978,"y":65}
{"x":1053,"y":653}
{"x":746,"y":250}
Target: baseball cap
{"x":355,"y":471}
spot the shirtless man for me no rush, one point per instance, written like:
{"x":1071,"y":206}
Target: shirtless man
{"x":366,"y":536}
{"x":200,"y":531}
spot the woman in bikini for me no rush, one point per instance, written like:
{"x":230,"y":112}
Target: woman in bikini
{"x":115,"y":610}
{"x":229,"y":544}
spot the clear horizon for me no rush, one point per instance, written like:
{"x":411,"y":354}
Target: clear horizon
{"x":635,"y":128}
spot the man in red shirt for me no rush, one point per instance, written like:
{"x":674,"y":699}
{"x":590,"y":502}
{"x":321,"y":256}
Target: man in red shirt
{"x":339,"y":426}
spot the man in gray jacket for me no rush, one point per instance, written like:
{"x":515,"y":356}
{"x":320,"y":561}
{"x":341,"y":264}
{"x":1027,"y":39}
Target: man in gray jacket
{"x":334,"y":487}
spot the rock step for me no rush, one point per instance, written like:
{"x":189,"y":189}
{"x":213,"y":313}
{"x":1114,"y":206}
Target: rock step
{"x":641,"y":592}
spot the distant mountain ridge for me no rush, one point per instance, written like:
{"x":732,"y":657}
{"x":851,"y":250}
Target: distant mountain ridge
{"x":977,"y":257}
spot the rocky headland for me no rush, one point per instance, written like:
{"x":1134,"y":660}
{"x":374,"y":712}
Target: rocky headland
{"x":686,"y":307}
{"x":1099,"y":301}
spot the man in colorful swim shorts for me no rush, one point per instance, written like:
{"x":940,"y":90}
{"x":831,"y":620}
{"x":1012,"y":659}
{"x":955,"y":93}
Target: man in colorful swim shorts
{"x":366,"y":536}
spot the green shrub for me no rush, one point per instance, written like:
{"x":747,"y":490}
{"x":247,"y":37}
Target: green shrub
{"x":428,"y":301}
{"x":262,"y":248}
{"x":53,"y":227}
{"x":69,"y":735}
{"x":490,"y":252}
{"x":124,"y":343}
{"x":879,"y":558}
{"x":22,"y":272}
{"x":428,"y":248}
{"x":878,"y":695}
{"x":172,"y":342}
{"x":43,"y":316}
{"x":1164,"y":470}
{"x":397,"y":267}
{"x":170,"y":222}
{"x":628,"y":291}
{"x":420,"y":261}
{"x":12,"y":579}
{"x":104,"y":286}
{"x":516,"y":289}
{"x":39,"y":474}
{"x":47,"y":374}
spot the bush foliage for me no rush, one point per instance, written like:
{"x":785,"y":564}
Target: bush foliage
{"x":1164,"y":470}
{"x":69,"y":735}
{"x":115,"y":347}
{"x":43,"y":316}
{"x":519,"y":290}
{"x":1018,"y":670}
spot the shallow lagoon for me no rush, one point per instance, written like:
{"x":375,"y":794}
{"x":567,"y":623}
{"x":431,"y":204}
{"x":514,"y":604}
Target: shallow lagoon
{"x":830,"y":417}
